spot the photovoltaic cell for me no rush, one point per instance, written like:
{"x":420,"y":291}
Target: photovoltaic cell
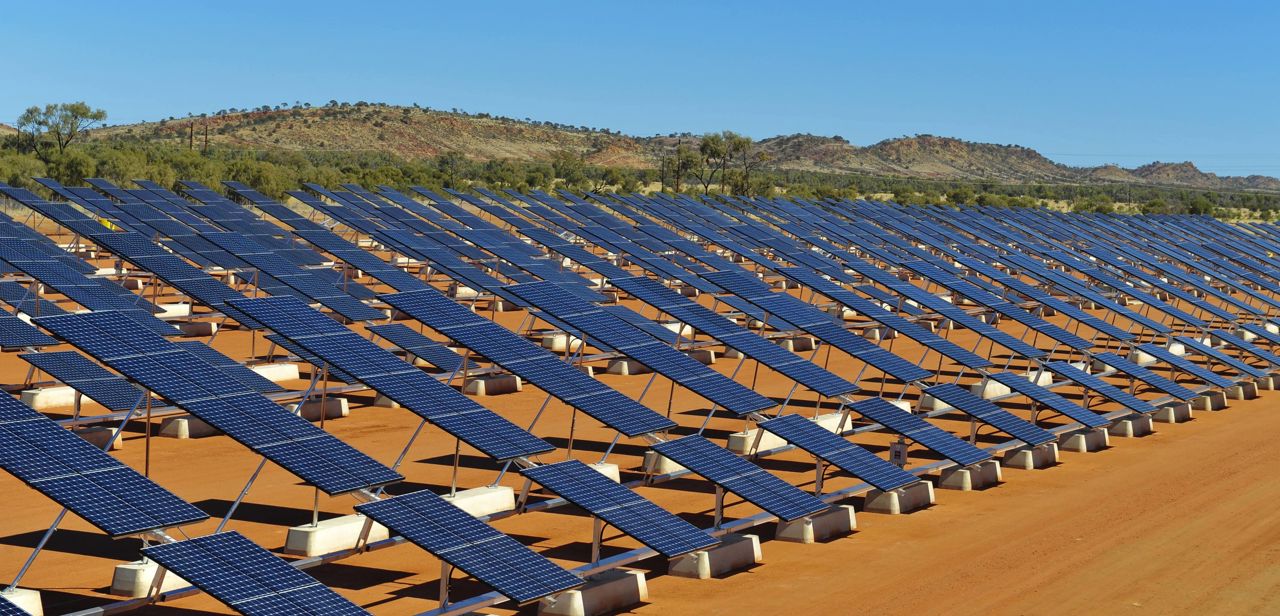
{"x":17,"y":334}
{"x":619,"y":506}
{"x":110,"y":390}
{"x":1195,"y":346}
{"x":231,"y":367}
{"x":752,"y":483}
{"x":458,"y":538}
{"x":1186,"y":365}
{"x":987,"y":412}
{"x":308,"y":357}
{"x":917,"y":429}
{"x":83,"y":478}
{"x":1049,"y":399}
{"x":844,"y":455}
{"x":422,"y":347}
{"x":1146,"y":376}
{"x":247,"y":578}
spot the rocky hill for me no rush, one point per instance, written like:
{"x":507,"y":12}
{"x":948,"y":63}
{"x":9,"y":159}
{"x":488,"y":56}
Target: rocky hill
{"x":413,"y":132}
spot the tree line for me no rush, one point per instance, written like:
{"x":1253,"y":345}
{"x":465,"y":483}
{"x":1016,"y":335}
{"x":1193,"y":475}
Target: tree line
{"x":51,"y":142}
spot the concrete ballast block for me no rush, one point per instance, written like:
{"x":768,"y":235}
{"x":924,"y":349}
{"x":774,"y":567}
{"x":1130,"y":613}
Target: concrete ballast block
{"x":745,"y":442}
{"x":98,"y":436}
{"x":972,"y":477}
{"x":186,"y":427}
{"x":606,"y":592}
{"x":1173,"y":413}
{"x":659,"y":464}
{"x":26,"y":599}
{"x":1085,"y":441}
{"x":278,"y":372}
{"x":134,"y":579}
{"x":608,"y":469}
{"x":1040,"y":456}
{"x":627,"y":367}
{"x":797,"y":344}
{"x":340,"y":533}
{"x":494,"y":385}
{"x":1132,"y":427}
{"x":902,"y":500}
{"x":735,"y":553}
{"x":485,"y":500}
{"x":835,"y":522}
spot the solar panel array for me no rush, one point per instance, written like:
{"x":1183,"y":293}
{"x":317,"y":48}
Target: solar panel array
{"x":917,"y":429}
{"x":220,"y":401}
{"x":1048,"y":398}
{"x":752,"y":483}
{"x":1107,"y":390}
{"x":387,"y":374}
{"x":420,"y":346}
{"x":83,"y":478}
{"x":987,"y":412}
{"x":627,"y":511}
{"x":455,"y":536}
{"x":77,"y":371}
{"x":844,"y":455}
{"x":247,"y":578}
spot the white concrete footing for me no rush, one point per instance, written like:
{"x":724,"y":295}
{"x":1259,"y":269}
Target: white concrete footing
{"x":745,"y":442}
{"x":331,"y":408}
{"x":561,"y":343}
{"x":170,"y":311}
{"x":988,"y":389}
{"x":198,"y":329}
{"x":284,"y":371}
{"x":483,"y":501}
{"x":26,"y":599}
{"x":606,"y":592}
{"x":494,"y":385}
{"x":1132,"y":427}
{"x":902,"y":500}
{"x":930,"y":404}
{"x":1266,"y":383}
{"x":706,"y":357}
{"x":1210,"y":401}
{"x":1085,"y":441}
{"x":731,"y":353}
{"x":99,"y":435}
{"x":735,"y":553}
{"x":1177,"y":412}
{"x":1030,"y":458}
{"x":835,"y":522}
{"x":798,"y":344}
{"x":331,"y":535}
{"x":972,"y":477}
{"x":1245,"y":390}
{"x":627,"y":367}
{"x":608,"y":469}
{"x":659,"y":464}
{"x":55,"y":397}
{"x":385,"y":402}
{"x":186,"y":427}
{"x":134,"y":579}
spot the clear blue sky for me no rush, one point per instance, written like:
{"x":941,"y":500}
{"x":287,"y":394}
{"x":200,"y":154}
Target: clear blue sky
{"x":1083,"y":82}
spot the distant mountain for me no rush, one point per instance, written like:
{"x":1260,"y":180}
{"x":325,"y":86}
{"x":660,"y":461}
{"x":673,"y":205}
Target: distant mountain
{"x":5,"y":129}
{"x":412,"y":132}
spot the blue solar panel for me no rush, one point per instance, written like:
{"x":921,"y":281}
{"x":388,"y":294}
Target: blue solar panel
{"x":110,"y":390}
{"x":642,"y":347}
{"x":1146,"y":376}
{"x":1107,"y":390}
{"x":1186,"y":365}
{"x":1248,"y":347}
{"x":920,"y":431}
{"x":734,"y":336}
{"x":625,"y":510}
{"x":308,"y":357}
{"x":846,"y":456}
{"x":536,"y":365}
{"x":1053,"y":401}
{"x":874,"y":311}
{"x":23,"y":299}
{"x":358,"y":258}
{"x":723,"y":468}
{"x":387,"y":374}
{"x":817,"y":323}
{"x":17,"y":334}
{"x":83,"y":478}
{"x":987,"y":412}
{"x":1195,"y":346}
{"x":422,"y":347}
{"x":7,"y":608}
{"x":231,"y":367}
{"x":221,"y":401}
{"x":453,"y":535}
{"x":247,"y":578}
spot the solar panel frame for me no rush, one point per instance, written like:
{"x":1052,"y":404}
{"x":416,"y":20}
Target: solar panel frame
{"x":988,"y":412}
{"x":92,"y":380}
{"x":922,"y":432}
{"x":1106,"y":390}
{"x":841,"y":453}
{"x":1049,"y":399}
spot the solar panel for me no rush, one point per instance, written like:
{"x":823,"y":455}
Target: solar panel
{"x":1107,"y":390}
{"x":532,"y":363}
{"x":17,"y":334}
{"x":219,"y":400}
{"x":387,"y":374}
{"x":844,"y":455}
{"x":642,"y":347}
{"x":7,"y":608}
{"x":308,"y":357}
{"x":24,"y":299}
{"x":987,"y":412}
{"x":818,"y":324}
{"x":624,"y":509}
{"x":1186,"y":365}
{"x":1146,"y":376}
{"x":1048,"y":398}
{"x":1248,"y":347}
{"x":1218,"y":355}
{"x":235,"y":369}
{"x":83,"y":478}
{"x":422,"y":347}
{"x":917,"y":429}
{"x":110,"y":390}
{"x":723,"y":468}
{"x":455,"y":536}
{"x":247,"y":578}
{"x":734,"y":336}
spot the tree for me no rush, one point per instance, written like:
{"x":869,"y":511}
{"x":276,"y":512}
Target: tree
{"x":450,"y":165}
{"x":56,"y":126}
{"x":713,"y":152}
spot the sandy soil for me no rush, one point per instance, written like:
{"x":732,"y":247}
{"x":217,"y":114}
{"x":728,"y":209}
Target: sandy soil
{"x":1178,"y":522}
